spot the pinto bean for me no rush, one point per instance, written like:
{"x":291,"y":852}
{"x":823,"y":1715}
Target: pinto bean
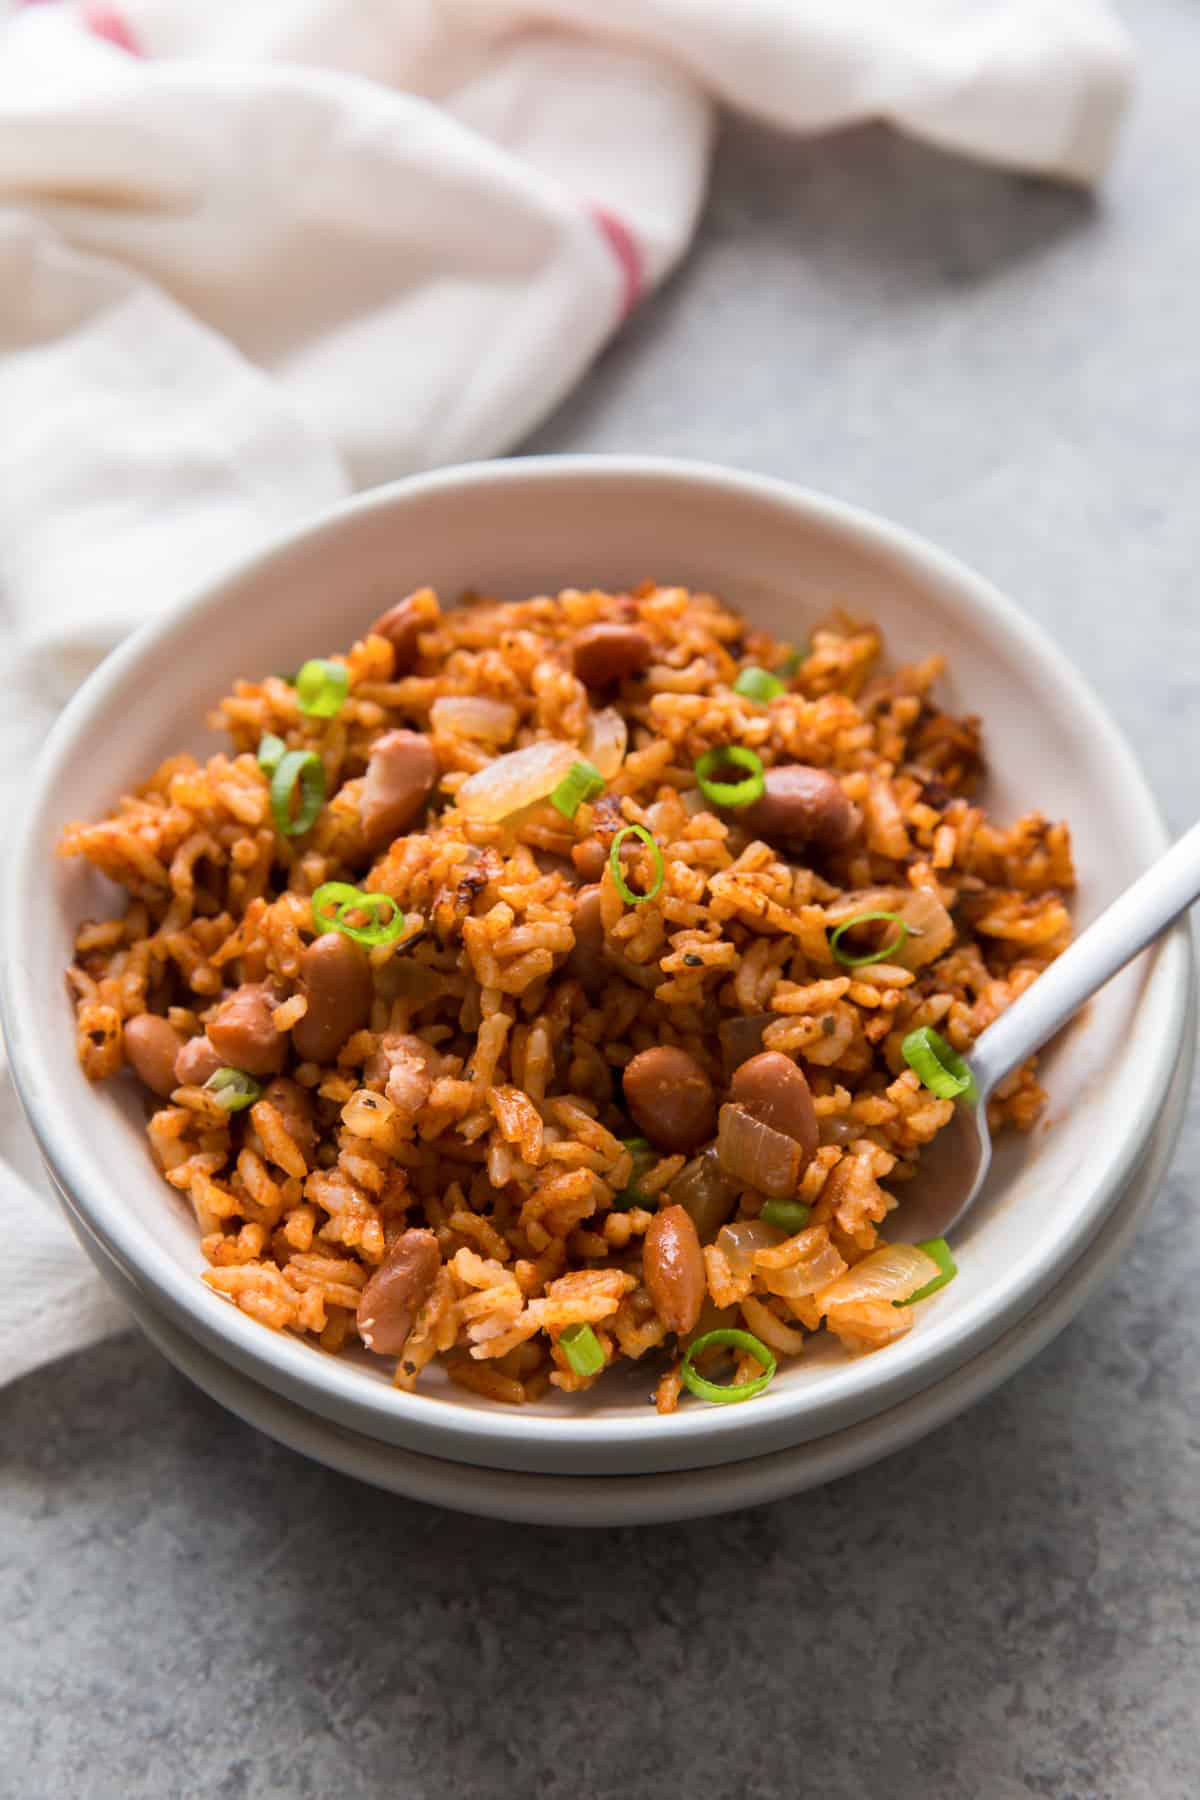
{"x":671,"y":1098}
{"x":401,"y":771}
{"x":151,"y":1046}
{"x":586,"y":961}
{"x":335,"y":979}
{"x":197,"y":1060}
{"x":294,"y":1106}
{"x":397,"y":1291}
{"x":773,"y":1090}
{"x":802,"y":806}
{"x":673,"y":1268}
{"x":602,"y":654}
{"x":243,"y":1034}
{"x":402,"y":625}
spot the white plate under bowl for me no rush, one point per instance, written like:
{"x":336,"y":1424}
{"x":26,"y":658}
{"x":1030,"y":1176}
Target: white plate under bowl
{"x":694,"y":1493}
{"x":784,"y":556}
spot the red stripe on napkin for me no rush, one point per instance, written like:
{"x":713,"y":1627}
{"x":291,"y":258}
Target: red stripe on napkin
{"x":621,"y":243}
{"x":106,"y":22}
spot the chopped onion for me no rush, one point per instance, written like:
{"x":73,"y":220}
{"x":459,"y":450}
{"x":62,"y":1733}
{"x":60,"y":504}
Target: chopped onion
{"x":756,"y":1155}
{"x":868,"y":1324}
{"x":788,"y":1340}
{"x":741,"y":1038}
{"x":473,"y":716}
{"x":893,"y":1272}
{"x":930,"y":929}
{"x":861,"y":900}
{"x":865,"y":958}
{"x":605,"y":741}
{"x":816,"y":1264}
{"x":740,"y":1243}
{"x":704,"y":1193}
{"x":861,"y":1308}
{"x":516,"y":780}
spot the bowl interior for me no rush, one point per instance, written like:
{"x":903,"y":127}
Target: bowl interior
{"x":516,"y":529}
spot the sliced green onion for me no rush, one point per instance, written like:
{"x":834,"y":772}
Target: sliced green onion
{"x":378,"y":931}
{"x":939,"y":1249}
{"x":730,"y":793}
{"x":270,"y":749}
{"x":321,"y":687}
{"x":581,"y":782}
{"x":790,"y":664}
{"x":305,"y":768}
{"x":872,"y":956}
{"x":942,"y":1069}
{"x":631,"y":1194}
{"x":332,"y":895}
{"x":789,"y":1215}
{"x":758,"y":684}
{"x":345,"y":899}
{"x":722,"y":1394}
{"x":232,"y":1088}
{"x":581,"y":1347}
{"x":614,"y":862}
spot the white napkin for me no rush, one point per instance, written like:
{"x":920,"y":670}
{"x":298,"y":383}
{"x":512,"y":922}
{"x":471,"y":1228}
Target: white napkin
{"x":253,"y":257}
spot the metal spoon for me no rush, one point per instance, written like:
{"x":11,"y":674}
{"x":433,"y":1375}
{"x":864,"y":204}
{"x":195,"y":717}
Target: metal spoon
{"x":955,"y":1167}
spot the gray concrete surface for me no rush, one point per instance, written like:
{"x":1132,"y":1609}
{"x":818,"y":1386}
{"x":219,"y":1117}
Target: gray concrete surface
{"x":1008,"y":1609}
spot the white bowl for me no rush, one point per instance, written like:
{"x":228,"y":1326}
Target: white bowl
{"x":603,"y":1500}
{"x":517,"y":528}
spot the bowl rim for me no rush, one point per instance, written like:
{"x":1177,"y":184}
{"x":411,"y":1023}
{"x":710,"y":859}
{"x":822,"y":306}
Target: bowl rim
{"x":476,"y":1434}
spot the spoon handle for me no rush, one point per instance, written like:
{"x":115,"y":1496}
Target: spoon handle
{"x":1141,"y":913}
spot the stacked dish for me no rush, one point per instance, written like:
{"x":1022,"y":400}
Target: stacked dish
{"x":1062,"y":1200}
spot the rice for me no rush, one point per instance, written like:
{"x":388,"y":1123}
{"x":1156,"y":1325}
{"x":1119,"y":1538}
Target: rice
{"x":476,"y":1110}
